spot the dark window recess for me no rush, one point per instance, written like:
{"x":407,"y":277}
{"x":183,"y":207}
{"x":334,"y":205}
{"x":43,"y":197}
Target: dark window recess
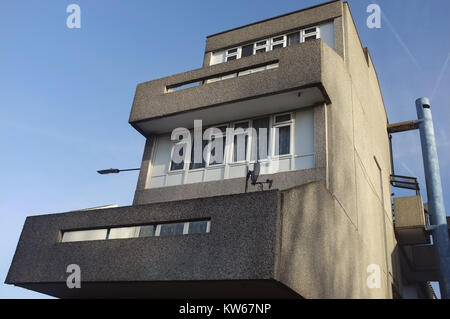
{"x":311,"y":30}
{"x":231,"y":58}
{"x":283,"y":118}
{"x":293,"y":38}
{"x":232,"y":51}
{"x":278,"y":39}
{"x":261,"y":43}
{"x":278,"y":46}
{"x":247,"y":50}
{"x":313,"y":37}
{"x":193,"y":165}
{"x":260,"y":50}
{"x":178,"y":166}
{"x":213,"y":152}
{"x":262,"y":123}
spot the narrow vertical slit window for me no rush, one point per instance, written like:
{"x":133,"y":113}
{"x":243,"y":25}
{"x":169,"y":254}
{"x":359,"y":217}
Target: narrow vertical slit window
{"x":240,"y":142}
{"x":282,"y":127}
{"x":293,"y":38}
{"x":212,"y":158}
{"x":247,"y":50}
{"x":261,"y":127}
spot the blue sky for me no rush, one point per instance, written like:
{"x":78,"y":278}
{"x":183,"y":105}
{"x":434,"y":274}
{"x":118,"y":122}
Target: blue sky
{"x":66,"y":94}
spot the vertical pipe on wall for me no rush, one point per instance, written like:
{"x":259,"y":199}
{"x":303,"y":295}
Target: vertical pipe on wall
{"x":435,"y":197}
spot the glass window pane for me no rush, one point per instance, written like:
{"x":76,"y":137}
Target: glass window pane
{"x":260,"y":125}
{"x":123,"y":232}
{"x":284,"y":140}
{"x":277,"y":39}
{"x":278,"y":46}
{"x":193,"y":165}
{"x":261,"y":43}
{"x":282,"y":118}
{"x":242,"y":155}
{"x":293,"y":38}
{"x":171,"y":229}
{"x":311,"y":30}
{"x":247,"y":50}
{"x":213,"y":152}
{"x":313,"y":37}
{"x":242,"y":125}
{"x":260,"y":50}
{"x":231,"y":58}
{"x":147,"y":231}
{"x":232,"y":50}
{"x":198,"y":227}
{"x":84,"y":235}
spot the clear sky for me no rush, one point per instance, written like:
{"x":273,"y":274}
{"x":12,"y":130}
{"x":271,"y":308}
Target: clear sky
{"x":66,"y":94}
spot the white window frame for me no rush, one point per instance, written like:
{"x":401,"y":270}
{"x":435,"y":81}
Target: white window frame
{"x":270,"y":43}
{"x":274,"y":43}
{"x":276,"y":125}
{"x":304,"y":35}
{"x":237,"y":53}
{"x":259,"y":47}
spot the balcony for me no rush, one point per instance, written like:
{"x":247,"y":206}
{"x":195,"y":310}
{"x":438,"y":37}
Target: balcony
{"x":289,"y":78}
{"x":244,"y":253}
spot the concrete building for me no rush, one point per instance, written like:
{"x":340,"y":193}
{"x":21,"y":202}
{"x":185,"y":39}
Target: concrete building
{"x":323,"y":230}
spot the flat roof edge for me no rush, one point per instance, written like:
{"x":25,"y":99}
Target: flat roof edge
{"x":273,"y":18}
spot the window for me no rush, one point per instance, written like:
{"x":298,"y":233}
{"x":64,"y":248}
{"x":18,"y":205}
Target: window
{"x":261,"y":126}
{"x":240,"y":142}
{"x":289,"y":145}
{"x":150,"y":230}
{"x":170,"y":229}
{"x":147,"y":231}
{"x":247,"y":50}
{"x":123,"y":232}
{"x":213,"y":160}
{"x":310,"y":34}
{"x":278,"y":42}
{"x":193,"y":165}
{"x":232,"y":54}
{"x":261,"y":46}
{"x":293,"y":38}
{"x":199,"y":227}
{"x":282,"y":127}
{"x":180,"y":149}
{"x":84,"y":235}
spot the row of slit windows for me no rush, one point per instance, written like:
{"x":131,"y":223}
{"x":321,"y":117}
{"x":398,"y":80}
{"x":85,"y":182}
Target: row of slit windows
{"x":223,"y":77}
{"x":273,"y":43}
{"x":281,"y":124}
{"x":150,"y":230}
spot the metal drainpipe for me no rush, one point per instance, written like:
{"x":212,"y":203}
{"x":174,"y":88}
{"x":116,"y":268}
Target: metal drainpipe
{"x":434,"y":190}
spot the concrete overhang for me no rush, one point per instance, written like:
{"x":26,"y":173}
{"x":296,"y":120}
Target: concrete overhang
{"x":236,"y":258}
{"x":299,"y":70}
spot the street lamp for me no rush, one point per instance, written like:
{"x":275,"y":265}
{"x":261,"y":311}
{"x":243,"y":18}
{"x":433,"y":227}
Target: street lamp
{"x":116,"y":170}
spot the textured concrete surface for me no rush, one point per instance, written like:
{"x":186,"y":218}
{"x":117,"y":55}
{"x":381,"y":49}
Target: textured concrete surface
{"x":240,"y":246}
{"x":151,"y":100}
{"x":281,"y":181}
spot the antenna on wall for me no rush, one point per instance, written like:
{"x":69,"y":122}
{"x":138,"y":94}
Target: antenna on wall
{"x":253,"y":176}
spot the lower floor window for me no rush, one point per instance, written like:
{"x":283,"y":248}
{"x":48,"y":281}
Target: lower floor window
{"x":281,"y":142}
{"x":150,"y":230}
